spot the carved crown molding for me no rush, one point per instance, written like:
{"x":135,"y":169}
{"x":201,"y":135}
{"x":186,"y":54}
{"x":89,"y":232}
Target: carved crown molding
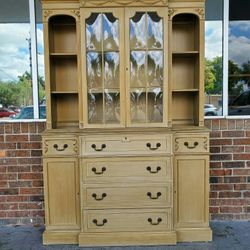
{"x":102,"y":3}
{"x":201,"y":12}
{"x":48,"y":13}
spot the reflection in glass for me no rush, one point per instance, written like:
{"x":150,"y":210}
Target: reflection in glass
{"x":155,"y":31}
{"x":94,"y":70}
{"x":155,"y":68}
{"x":111,"y":70}
{"x":155,"y":105}
{"x":95,"y":108}
{"x":94,"y":31}
{"x":137,"y":68}
{"x":110,"y":32}
{"x":138,"y":31}
{"x":138,"y":106}
{"x":112,"y":107}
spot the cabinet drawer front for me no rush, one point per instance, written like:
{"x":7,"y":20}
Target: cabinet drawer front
{"x":127,"y":220}
{"x":126,"y":145}
{"x":103,"y":170}
{"x":189,"y":144}
{"x":60,"y":146}
{"x":128,"y":196}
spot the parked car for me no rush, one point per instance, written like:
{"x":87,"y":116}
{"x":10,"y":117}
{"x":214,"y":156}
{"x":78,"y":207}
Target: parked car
{"x":4,"y":112}
{"x":240,"y":105}
{"x":210,"y":110}
{"x":28,"y":113}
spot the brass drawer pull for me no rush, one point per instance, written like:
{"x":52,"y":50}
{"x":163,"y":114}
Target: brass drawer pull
{"x":149,"y":194}
{"x":104,"y":221}
{"x":94,"y":195}
{"x":153,"y":171}
{"x":153,"y":148}
{"x":98,"y":149}
{"x":159,"y":220}
{"x":99,"y":173}
{"x":191,"y":147}
{"x":60,"y":149}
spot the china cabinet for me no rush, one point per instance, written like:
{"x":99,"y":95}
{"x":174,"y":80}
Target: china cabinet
{"x":125,"y":152}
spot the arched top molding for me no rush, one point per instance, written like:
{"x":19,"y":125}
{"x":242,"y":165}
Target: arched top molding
{"x":199,"y":12}
{"x":47,"y":14}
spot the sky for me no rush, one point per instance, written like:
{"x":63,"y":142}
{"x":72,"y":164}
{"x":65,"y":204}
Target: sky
{"x":14,"y":50}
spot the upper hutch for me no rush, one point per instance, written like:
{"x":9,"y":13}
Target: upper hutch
{"x":125,"y":153}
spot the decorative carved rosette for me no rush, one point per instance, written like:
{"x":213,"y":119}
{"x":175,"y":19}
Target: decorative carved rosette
{"x":49,"y":13}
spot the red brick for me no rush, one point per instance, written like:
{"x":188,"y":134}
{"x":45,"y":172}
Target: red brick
{"x":18,"y":153}
{"x":37,"y":183}
{"x":35,"y":137}
{"x":2,"y":214}
{"x":8,"y":161}
{"x":31,"y":191}
{"x":31,"y":206}
{"x":29,"y":176}
{"x":215,"y":164}
{"x":17,"y":198}
{"x":18,"y":168}
{"x":231,"y":124}
{"x":35,"y":153}
{"x":241,"y":156}
{"x":3,"y":184}
{"x":1,"y":128}
{"x":218,"y":142}
{"x":41,"y":126}
{"x":247,"y":149}
{"x":32,"y":128}
{"x":18,"y":214}
{"x":223,"y":124}
{"x":232,"y":149}
{"x":246,"y":194}
{"x":220,"y":172}
{"x":1,"y":138}
{"x":218,"y":187}
{"x":214,"y":150}
{"x":30,"y":145}
{"x":215,"y":124}
{"x":228,"y":194}
{"x":232,"y":179}
{"x":241,"y":141}
{"x":215,"y":134}
{"x":24,"y":127}
{"x":37,"y":168}
{"x":16,"y":138}
{"x":8,"y":191}
{"x":229,"y":202}
{"x":233,"y":164}
{"x":213,"y":194}
{"x":231,"y":209}
{"x":29,"y":161}
{"x":3,"y":169}
{"x":20,"y":184}
{"x":241,"y":172}
{"x":9,"y":206}
{"x":7,"y":145}
{"x":8,"y":128}
{"x":208,"y":123}
{"x":240,"y":124}
{"x":242,"y":187}
{"x":221,"y":157}
{"x":234,"y":133}
{"x":3,"y":198}
{"x":16,"y":128}
{"x":8,"y":177}
{"x":214,"y":210}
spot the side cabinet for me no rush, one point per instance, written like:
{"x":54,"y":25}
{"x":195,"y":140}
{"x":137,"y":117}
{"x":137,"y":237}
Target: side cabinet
{"x":191,"y":188}
{"x":61,"y":191}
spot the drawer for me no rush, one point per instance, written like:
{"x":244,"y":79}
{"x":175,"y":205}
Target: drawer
{"x":127,"y":196}
{"x":62,"y":146}
{"x":127,"y":220}
{"x":192,"y":144}
{"x":126,"y":169}
{"x":126,"y":144}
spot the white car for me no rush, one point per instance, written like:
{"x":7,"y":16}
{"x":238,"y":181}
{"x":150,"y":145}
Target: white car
{"x":210,"y":110}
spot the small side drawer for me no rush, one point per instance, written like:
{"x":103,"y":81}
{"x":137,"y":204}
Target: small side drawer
{"x":126,"y":169}
{"x":191,"y":144}
{"x":62,"y":146}
{"x":127,"y":196}
{"x":126,"y":144}
{"x":127,"y":220}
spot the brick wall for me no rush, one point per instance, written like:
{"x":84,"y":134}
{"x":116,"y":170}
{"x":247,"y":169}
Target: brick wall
{"x":229,"y":169}
{"x":21,"y":181}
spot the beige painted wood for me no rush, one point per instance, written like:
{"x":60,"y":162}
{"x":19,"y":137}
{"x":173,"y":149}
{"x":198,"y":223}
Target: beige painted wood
{"x":61,"y":193}
{"x":127,"y":238}
{"x":60,"y":237}
{"x":60,"y":146}
{"x":127,"y":220}
{"x":119,"y":170}
{"x":191,"y":191}
{"x":126,"y":144}
{"x":191,"y":143}
{"x":194,"y":234}
{"x":120,"y":196}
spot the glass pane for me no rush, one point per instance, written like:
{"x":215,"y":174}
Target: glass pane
{"x":155,"y":31}
{"x":94,"y":32}
{"x":110,"y":32}
{"x":94,"y":70}
{"x":95,"y":106}
{"x":213,"y":58}
{"x":138,"y":31}
{"x":112,"y":106}
{"x":15,"y":58}
{"x":138,"y":106}
{"x":111,"y":69}
{"x":137,"y":69}
{"x":239,"y":58}
{"x":155,"y":68}
{"x":155,"y":105}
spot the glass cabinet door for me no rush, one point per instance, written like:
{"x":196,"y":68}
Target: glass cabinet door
{"x":146,"y":70}
{"x":103,"y":63}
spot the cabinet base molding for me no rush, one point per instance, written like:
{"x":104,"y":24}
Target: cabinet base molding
{"x":127,"y":239}
{"x":194,"y":234}
{"x":60,"y":237}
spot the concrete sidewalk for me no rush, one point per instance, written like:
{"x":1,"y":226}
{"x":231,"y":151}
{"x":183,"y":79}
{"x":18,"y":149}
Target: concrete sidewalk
{"x":226,"y":235}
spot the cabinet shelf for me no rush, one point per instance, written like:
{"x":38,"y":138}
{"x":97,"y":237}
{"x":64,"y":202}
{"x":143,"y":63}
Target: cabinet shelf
{"x":185,"y":90}
{"x":185,"y":53}
{"x":64,"y":92}
{"x":63,"y":54}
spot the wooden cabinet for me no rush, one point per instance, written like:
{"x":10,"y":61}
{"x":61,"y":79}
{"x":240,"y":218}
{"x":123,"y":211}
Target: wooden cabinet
{"x":125,"y":153}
